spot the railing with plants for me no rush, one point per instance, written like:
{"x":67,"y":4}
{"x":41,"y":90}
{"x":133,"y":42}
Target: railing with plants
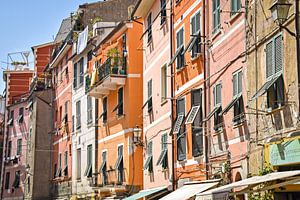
{"x":114,"y":65}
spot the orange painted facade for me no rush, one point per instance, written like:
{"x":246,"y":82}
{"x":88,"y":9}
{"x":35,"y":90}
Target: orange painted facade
{"x":42,"y":54}
{"x":189,"y":78}
{"x":122,"y":115}
{"x":18,"y":84}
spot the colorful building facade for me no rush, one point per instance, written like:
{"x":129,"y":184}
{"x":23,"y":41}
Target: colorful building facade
{"x":116,"y":81}
{"x":155,"y":42}
{"x":188,"y":70}
{"x":227,"y":125}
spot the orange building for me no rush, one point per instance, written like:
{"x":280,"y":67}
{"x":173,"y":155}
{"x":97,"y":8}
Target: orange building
{"x":187,"y":66}
{"x":117,"y":81}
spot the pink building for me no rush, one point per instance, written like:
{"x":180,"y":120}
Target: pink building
{"x":226,"y":122}
{"x":157,"y":107}
{"x":16,"y":147}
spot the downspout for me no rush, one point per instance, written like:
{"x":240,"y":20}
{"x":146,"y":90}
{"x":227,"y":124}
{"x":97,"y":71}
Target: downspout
{"x":96,"y":140}
{"x":172,"y":98}
{"x":204,"y":89}
{"x":297,"y":27}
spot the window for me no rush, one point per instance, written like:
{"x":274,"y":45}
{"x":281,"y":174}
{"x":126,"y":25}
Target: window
{"x":65,"y":171}
{"x":78,"y":74}
{"x":163,"y":12}
{"x":11,"y":118}
{"x":119,"y":107}
{"x":119,"y":165}
{"x":218,"y":119}
{"x":180,"y":48}
{"x":60,"y":114}
{"x":235,"y":6}
{"x":58,"y":172}
{"x":237,"y":94}
{"x":9,"y":149}
{"x":274,"y":69}
{"x":16,"y":183}
{"x":90,"y":56}
{"x":124,"y":53}
{"x":197,"y":130}
{"x":7,"y":178}
{"x":78,"y":164}
{"x":55,"y":170}
{"x":149,"y":27}
{"x":164,"y":83}
{"x":21,"y":115}
{"x":89,"y":110}
{"x":19,"y":146}
{"x":195,"y":35}
{"x":149,"y":162}
{"x":149,"y":86}
{"x":73,"y":123}
{"x":75,"y":76}
{"x":88,"y":170}
{"x":103,"y":168}
{"x":181,"y":135}
{"x":78,"y":115}
{"x":104,"y":107}
{"x":163,"y":157}
{"x":216,"y":15}
{"x":66,"y":113}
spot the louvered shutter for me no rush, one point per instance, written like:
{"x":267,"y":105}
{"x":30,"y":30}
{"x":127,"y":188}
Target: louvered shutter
{"x":234,"y":84}
{"x":197,"y":21}
{"x":75,"y":76}
{"x":269,"y":59}
{"x":240,"y":82}
{"x":81,"y":71}
{"x":218,"y":94}
{"x":278,"y":54}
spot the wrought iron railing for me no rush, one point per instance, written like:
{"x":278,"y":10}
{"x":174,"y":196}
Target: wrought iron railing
{"x":112,"y":67}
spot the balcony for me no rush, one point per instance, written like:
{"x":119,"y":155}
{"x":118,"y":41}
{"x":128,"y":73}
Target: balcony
{"x":106,"y":77}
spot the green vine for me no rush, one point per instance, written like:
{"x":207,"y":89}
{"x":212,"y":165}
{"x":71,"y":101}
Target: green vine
{"x":264,"y":195}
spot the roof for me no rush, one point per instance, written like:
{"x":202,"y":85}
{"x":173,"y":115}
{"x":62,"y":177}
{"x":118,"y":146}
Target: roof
{"x":65,"y":28}
{"x":42,"y":45}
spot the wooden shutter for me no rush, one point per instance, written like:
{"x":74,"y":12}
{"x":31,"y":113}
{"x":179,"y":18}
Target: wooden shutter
{"x":234,"y":84}
{"x":120,"y":101}
{"x":81,"y":71}
{"x":75,"y":76}
{"x":278,"y":54}
{"x":240,"y":82}
{"x":269,"y":59}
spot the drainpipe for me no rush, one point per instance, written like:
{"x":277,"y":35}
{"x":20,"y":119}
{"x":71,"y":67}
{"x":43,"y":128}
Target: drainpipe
{"x":96,"y":140}
{"x":205,"y":90}
{"x":297,"y":27}
{"x":172,"y":97}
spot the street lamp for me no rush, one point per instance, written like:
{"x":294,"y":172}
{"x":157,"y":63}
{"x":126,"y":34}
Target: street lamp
{"x":137,"y":136}
{"x":280,"y":10}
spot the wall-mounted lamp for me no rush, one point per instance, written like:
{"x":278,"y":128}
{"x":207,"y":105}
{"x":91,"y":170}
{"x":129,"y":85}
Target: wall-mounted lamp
{"x":280,"y":10}
{"x":137,"y":136}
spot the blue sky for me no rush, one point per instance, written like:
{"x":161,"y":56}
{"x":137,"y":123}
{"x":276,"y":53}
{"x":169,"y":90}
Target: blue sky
{"x":26,"y":23}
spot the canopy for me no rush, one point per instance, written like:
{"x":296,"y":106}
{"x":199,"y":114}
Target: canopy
{"x":250,"y":183}
{"x":189,"y":190}
{"x":145,"y":193}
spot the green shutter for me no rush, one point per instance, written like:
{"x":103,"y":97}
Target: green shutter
{"x":234,"y":84}
{"x":269,"y":59}
{"x":278,"y":54}
{"x":75,"y":76}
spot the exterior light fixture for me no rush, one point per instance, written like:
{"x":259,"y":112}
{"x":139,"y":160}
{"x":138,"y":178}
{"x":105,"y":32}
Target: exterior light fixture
{"x":280,"y":10}
{"x":137,"y":136}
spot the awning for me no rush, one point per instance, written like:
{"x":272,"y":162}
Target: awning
{"x":229,"y":106}
{"x":145,"y":193}
{"x":212,"y":112}
{"x":189,"y":190}
{"x":288,"y":177}
{"x":265,"y":87}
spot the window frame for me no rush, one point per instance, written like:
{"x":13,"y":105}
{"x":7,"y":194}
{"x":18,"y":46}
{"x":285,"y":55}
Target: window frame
{"x":195,"y":50}
{"x":180,"y":60}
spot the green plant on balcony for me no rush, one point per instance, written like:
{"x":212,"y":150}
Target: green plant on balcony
{"x":114,"y":55}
